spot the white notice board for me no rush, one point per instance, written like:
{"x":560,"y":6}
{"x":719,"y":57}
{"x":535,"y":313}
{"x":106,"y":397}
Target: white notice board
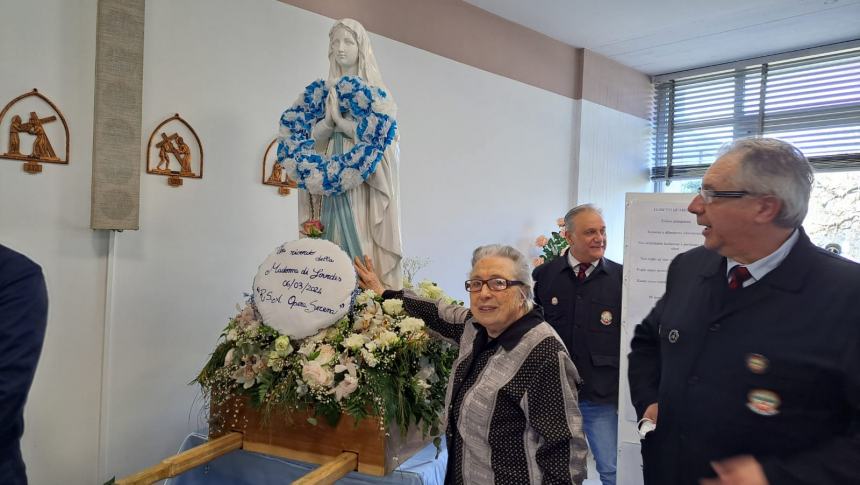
{"x":656,"y":228}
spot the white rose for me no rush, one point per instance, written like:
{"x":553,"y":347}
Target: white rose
{"x":387,"y":339}
{"x":316,"y":375}
{"x":354,"y":341}
{"x":282,"y":346}
{"x":365,"y":296}
{"x":411,"y":325}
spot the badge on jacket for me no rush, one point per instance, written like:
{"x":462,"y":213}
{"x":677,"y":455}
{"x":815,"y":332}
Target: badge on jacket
{"x":606,"y":317}
{"x":674,"y":335}
{"x":757,"y":363}
{"x":554,"y":301}
{"x":763,"y":402}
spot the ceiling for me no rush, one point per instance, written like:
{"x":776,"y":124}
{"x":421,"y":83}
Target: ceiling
{"x":662,"y":36}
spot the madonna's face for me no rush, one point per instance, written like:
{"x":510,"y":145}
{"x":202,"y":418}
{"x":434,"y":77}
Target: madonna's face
{"x":344,"y":48}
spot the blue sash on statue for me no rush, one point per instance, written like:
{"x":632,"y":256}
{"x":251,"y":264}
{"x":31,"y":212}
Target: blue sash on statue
{"x":336,"y":214}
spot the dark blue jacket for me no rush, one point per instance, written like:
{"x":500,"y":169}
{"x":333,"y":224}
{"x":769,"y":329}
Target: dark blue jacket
{"x":23,"y":316}
{"x":771,"y":370}
{"x":587,"y":317}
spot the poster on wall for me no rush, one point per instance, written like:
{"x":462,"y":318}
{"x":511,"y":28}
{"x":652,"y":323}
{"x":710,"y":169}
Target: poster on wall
{"x":657,"y":227}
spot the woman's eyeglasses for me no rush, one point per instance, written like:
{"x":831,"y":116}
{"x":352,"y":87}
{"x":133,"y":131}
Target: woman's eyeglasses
{"x":495,"y":284}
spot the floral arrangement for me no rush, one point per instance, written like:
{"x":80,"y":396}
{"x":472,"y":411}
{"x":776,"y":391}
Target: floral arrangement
{"x":551,"y":247}
{"x":322,"y":175}
{"x":377,"y":361}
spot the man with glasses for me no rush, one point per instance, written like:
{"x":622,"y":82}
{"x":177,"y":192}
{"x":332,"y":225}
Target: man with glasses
{"x":750,"y":362}
{"x":580,"y":293}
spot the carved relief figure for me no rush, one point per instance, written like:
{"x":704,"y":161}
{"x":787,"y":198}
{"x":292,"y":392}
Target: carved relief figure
{"x":14,"y":139}
{"x":42,"y":148}
{"x":277,"y":174}
{"x":165,"y":148}
{"x":183,"y":154}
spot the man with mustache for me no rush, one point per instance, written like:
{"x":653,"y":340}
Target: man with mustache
{"x":580,"y":293}
{"x":750,"y":362}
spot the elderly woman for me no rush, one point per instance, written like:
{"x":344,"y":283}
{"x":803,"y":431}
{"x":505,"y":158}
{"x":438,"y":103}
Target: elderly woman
{"x":512,"y":398}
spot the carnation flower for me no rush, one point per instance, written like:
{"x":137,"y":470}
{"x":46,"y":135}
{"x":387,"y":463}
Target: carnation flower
{"x":560,"y":222}
{"x":428,"y":289}
{"x":541,"y":241}
{"x":538,"y":261}
{"x":393,"y":306}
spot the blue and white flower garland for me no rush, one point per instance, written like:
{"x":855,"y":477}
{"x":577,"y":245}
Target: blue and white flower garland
{"x":323,"y":175}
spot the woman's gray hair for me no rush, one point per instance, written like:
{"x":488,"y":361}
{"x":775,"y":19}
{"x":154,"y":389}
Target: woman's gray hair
{"x":769,"y":166}
{"x":521,"y":267}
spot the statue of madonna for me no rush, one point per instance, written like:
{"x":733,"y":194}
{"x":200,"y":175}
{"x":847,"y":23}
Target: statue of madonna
{"x":364,"y":220}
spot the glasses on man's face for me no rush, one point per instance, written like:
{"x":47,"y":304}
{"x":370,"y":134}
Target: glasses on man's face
{"x":709,"y":195}
{"x":495,"y":284}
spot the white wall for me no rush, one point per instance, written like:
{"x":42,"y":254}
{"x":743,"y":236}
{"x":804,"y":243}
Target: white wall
{"x":50,"y":45}
{"x":612,"y":156}
{"x":483,"y":159}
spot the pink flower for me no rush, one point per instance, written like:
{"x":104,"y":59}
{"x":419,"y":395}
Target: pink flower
{"x":560,"y":222}
{"x":541,"y":241}
{"x":562,"y":233}
{"x":538,"y":261}
{"x":313,"y":228}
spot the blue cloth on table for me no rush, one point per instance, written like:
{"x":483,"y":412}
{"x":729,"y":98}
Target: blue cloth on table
{"x":243,"y":467}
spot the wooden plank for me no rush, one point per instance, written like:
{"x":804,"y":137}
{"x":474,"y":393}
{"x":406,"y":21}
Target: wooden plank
{"x":174,"y":465}
{"x":331,"y":471}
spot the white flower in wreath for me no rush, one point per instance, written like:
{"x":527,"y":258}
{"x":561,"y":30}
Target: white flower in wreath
{"x":333,"y":169}
{"x":350,"y":177}
{"x":316,"y":375}
{"x":393,"y":306}
{"x":411,"y":325}
{"x":228,"y":359}
{"x":314,"y":181}
{"x":232,"y":335}
{"x":371,"y":346}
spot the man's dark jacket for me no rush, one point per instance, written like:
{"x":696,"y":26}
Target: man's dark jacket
{"x":587,"y":317}
{"x":771,"y":370}
{"x":23,"y":316}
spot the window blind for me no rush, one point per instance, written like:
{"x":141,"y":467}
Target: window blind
{"x":812,"y":101}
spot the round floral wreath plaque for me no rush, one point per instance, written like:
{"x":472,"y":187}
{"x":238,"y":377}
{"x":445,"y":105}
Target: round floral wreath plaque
{"x":323,"y":175}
